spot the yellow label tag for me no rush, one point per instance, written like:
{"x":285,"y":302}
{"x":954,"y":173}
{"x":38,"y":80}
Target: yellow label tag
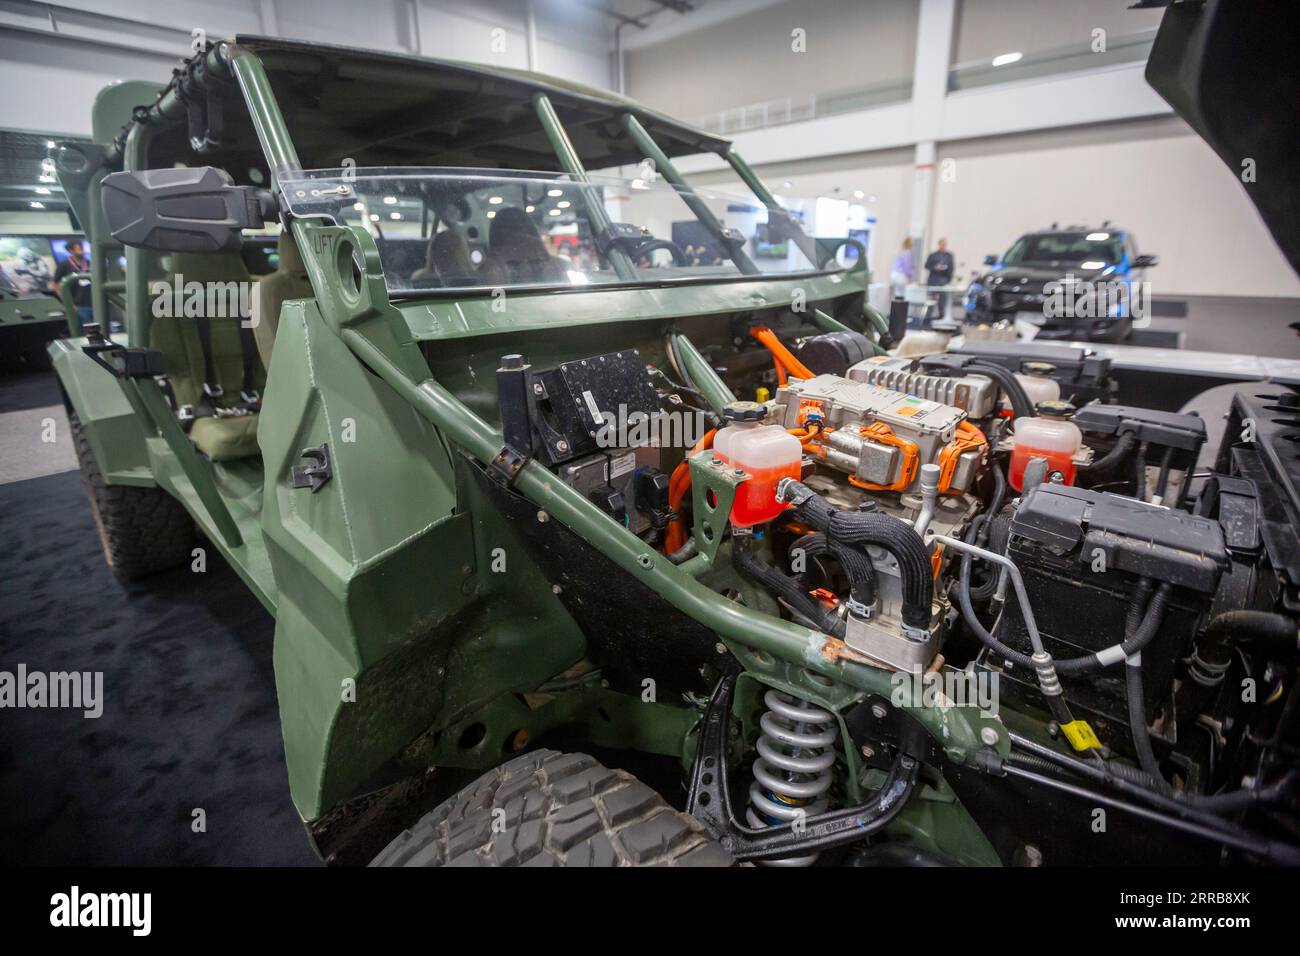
{"x":1080,"y":735}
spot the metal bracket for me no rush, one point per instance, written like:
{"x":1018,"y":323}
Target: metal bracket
{"x":713,"y":490}
{"x":123,"y":362}
{"x":505,"y":465}
{"x":709,"y":800}
{"x":315,"y":475}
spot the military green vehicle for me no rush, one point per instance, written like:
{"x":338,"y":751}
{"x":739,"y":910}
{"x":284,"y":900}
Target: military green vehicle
{"x":601,"y":493}
{"x":29,"y":316}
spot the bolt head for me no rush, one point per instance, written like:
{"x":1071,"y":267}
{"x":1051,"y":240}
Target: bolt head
{"x":543,"y":517}
{"x":868,"y":751}
{"x":989,"y":736}
{"x":720,"y":647}
{"x":878,"y":711}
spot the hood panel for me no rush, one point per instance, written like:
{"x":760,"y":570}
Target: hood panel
{"x":1229,"y":69}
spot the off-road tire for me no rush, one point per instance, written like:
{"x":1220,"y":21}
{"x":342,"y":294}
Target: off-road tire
{"x":142,"y":530}
{"x":559,"y":810}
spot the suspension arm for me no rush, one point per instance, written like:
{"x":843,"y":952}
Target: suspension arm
{"x":710,"y":802}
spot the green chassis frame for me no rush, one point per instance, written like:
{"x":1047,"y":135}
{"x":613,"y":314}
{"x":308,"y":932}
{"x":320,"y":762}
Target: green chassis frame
{"x":392,"y":636}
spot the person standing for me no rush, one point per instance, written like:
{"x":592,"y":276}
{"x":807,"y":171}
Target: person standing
{"x":76,"y":262}
{"x":940,"y":266}
{"x":901,"y":272}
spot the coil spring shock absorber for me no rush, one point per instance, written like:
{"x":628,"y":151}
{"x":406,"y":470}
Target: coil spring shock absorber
{"x":793,"y":769}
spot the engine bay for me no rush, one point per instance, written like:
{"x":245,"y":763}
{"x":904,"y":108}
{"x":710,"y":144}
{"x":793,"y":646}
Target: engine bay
{"x":985,"y":521}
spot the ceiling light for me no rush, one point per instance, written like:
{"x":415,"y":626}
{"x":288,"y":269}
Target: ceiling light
{"x":1091,"y":264}
{"x":374,"y":217}
{"x":394,"y":215}
{"x":492,"y":213}
{"x":529,"y":208}
{"x":554,"y":192}
{"x":858,"y":194}
{"x":390,"y":200}
{"x":1002,"y":59}
{"x":495,"y":200}
{"x":1098,"y":236}
{"x":43,"y":190}
{"x":555,"y":212}
{"x":563,"y":204}
{"x":359,"y":207}
{"x":36,"y":205}
{"x":49,"y":144}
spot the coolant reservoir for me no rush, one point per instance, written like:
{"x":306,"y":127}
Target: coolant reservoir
{"x":767,"y":452}
{"x":1036,"y":379}
{"x":1050,"y":435}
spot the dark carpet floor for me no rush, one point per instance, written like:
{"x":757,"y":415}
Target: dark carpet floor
{"x":189,"y":720}
{"x":23,"y":390}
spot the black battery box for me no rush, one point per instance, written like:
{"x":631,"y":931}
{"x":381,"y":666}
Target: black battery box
{"x":1081,"y":554}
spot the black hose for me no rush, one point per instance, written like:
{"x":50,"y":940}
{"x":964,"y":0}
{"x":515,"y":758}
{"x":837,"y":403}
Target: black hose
{"x":1140,"y":475}
{"x":1276,"y":630}
{"x":1069,"y":665}
{"x":1113,"y":458}
{"x":1010,"y":385}
{"x":1137,"y":718}
{"x":1137,"y":712}
{"x":860,"y":528}
{"x":856,"y":564}
{"x":750,"y":565}
{"x":1218,"y":832}
{"x":1162,"y":477}
{"x":1131,"y":780}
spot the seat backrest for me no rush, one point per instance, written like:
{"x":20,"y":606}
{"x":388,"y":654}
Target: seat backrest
{"x":217,"y":286}
{"x":288,"y":281}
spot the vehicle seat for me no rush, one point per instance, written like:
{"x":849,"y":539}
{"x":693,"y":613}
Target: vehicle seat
{"x":288,"y":281}
{"x":517,"y":254}
{"x":447,"y":262}
{"x":177,"y":337}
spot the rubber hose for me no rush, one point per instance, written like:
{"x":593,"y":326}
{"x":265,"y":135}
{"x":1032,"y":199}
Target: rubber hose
{"x":1113,"y":458}
{"x":1010,"y":385}
{"x":1069,"y":665}
{"x":860,"y":528}
{"x":750,"y":565}
{"x":856,"y":564}
{"x":1137,"y":713}
{"x":1264,"y":626}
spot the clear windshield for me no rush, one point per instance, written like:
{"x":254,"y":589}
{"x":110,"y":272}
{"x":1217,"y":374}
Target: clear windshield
{"x":458,"y":228}
{"x":1099,"y":248}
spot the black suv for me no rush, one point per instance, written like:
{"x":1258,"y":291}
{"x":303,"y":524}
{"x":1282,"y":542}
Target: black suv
{"x":1074,"y":283}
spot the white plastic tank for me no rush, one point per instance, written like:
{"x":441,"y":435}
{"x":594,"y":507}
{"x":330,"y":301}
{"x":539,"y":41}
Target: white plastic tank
{"x":1050,"y":435}
{"x":1036,"y":379}
{"x":767,"y":452}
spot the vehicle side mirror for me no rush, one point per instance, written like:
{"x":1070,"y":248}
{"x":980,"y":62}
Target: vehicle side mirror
{"x":196,"y":209}
{"x":1146,"y":262}
{"x":990,"y":260}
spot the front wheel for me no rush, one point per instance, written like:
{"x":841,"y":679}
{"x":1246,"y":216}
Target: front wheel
{"x":552,"y":809}
{"x":142,"y":530}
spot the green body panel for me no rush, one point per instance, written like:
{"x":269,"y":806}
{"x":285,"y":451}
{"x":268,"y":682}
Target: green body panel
{"x":116,"y":434}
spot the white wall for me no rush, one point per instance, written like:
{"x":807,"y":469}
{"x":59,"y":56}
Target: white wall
{"x":850,"y":43}
{"x":986,"y":28}
{"x":1155,"y":177}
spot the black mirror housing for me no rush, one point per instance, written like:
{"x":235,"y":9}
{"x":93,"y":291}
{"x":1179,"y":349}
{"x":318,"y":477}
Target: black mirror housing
{"x":197,"y":209}
{"x":1146,"y":262}
{"x":990,"y":260}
